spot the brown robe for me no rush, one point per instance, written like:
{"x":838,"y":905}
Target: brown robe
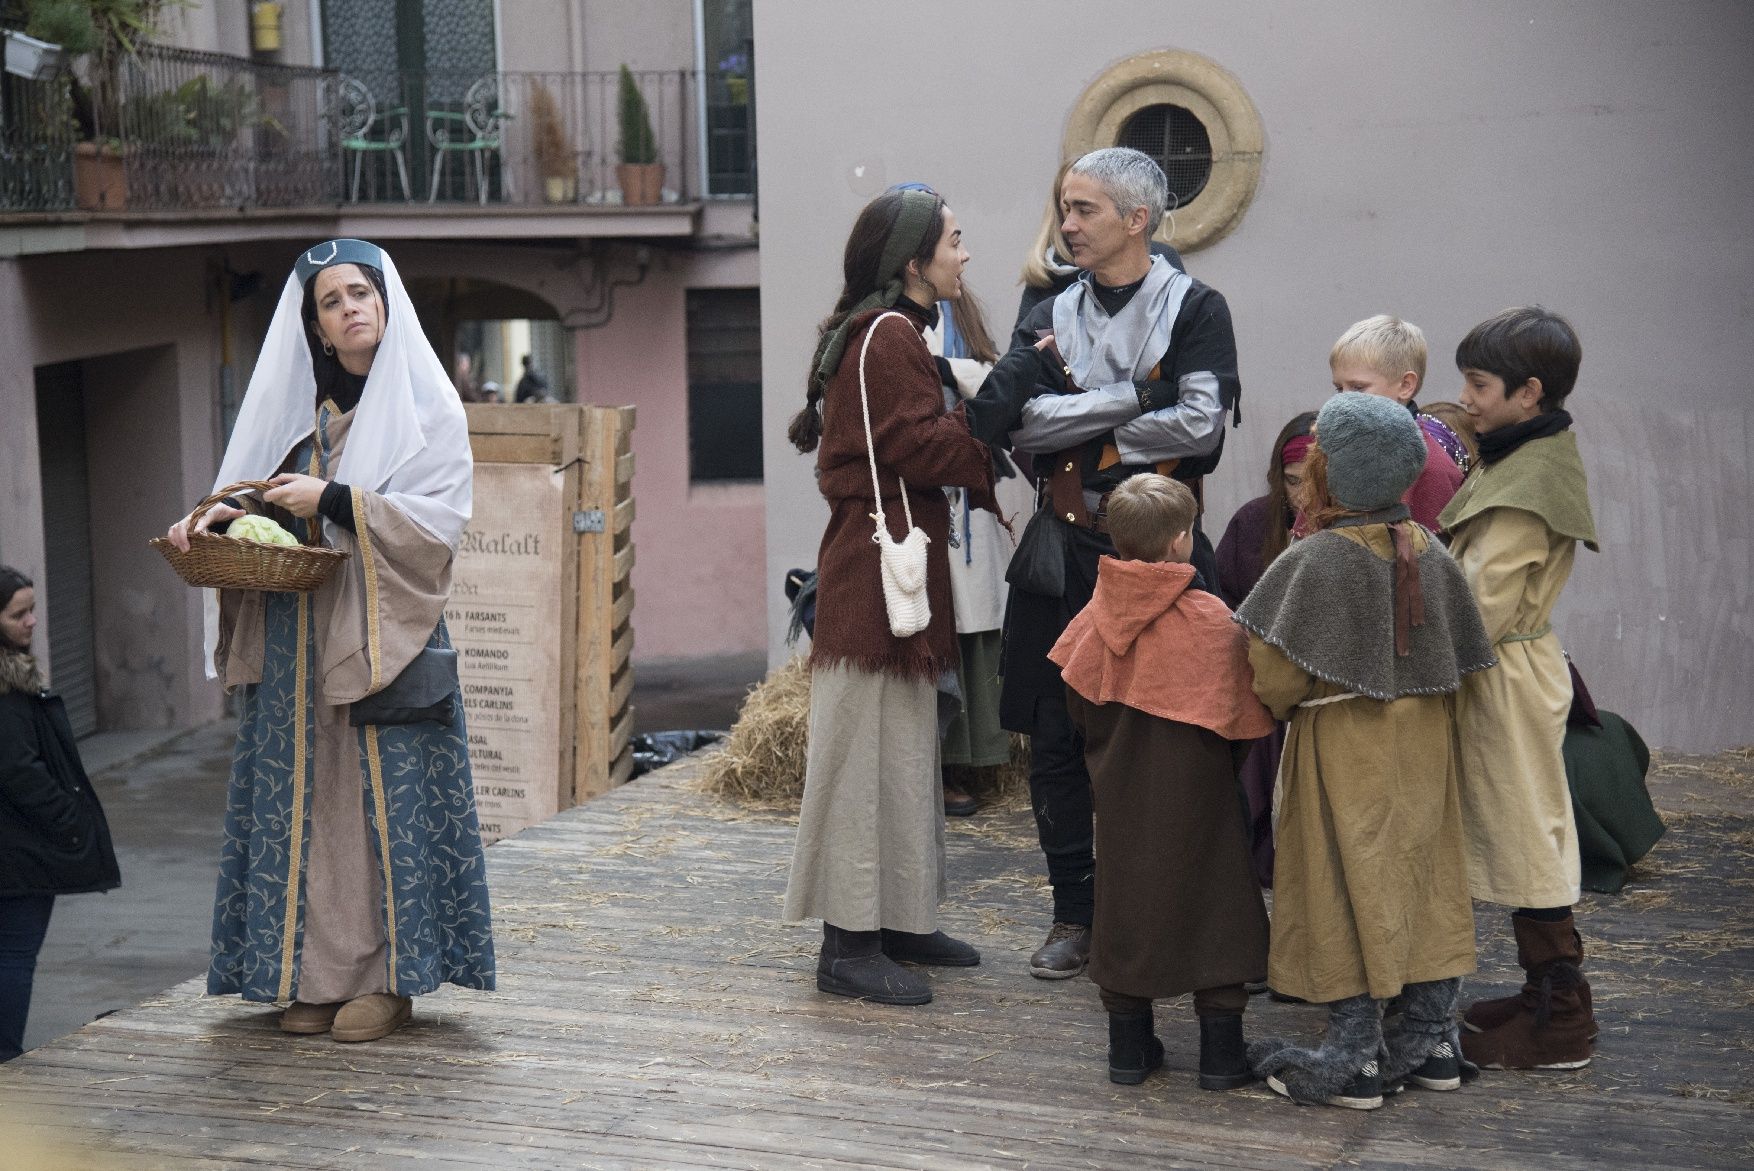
{"x":1370,"y":886}
{"x":1157,"y":681}
{"x":1177,"y":905}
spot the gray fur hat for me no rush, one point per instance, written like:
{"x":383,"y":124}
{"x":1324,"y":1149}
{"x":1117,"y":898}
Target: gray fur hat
{"x":1374,"y":449}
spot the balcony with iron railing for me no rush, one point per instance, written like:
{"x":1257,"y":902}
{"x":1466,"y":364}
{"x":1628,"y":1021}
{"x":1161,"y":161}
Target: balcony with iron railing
{"x":179,"y":131}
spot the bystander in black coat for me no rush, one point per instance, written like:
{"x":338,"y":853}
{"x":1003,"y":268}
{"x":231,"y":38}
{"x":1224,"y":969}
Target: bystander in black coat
{"x":53,"y":835}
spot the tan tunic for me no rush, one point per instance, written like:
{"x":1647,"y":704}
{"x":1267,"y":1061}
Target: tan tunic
{"x":1516,"y":805}
{"x":1370,"y":882}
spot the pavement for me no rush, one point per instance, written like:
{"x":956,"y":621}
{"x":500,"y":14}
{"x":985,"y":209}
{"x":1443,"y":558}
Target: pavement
{"x":164,"y":794}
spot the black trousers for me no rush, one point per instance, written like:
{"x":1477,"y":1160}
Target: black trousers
{"x":1032,"y":701}
{"x":24,"y":921}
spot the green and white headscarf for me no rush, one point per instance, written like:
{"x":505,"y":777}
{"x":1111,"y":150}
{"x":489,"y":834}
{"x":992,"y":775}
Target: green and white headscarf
{"x":911,"y":225}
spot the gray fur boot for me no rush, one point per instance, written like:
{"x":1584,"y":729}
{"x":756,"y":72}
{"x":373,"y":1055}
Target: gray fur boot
{"x":1423,"y":1044}
{"x":1342,"y":1072}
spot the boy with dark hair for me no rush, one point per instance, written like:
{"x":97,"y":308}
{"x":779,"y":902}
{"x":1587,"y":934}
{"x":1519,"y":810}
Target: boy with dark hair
{"x":1158,"y":687}
{"x":1516,"y":523}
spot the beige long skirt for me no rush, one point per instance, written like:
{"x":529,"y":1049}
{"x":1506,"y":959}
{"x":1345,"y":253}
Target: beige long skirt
{"x":870,"y":850}
{"x":343,"y":951}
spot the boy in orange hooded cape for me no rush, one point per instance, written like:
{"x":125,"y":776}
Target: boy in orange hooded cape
{"x":1158,"y":683}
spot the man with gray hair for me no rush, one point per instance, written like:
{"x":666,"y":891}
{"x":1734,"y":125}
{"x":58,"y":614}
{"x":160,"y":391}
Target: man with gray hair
{"x":1131,"y":369}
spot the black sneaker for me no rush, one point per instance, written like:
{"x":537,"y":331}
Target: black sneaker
{"x":1442,"y":1070}
{"x":1363,"y":1092}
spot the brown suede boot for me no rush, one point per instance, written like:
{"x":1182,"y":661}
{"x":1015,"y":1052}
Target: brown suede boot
{"x":1489,"y":1014}
{"x":1553,"y":1022}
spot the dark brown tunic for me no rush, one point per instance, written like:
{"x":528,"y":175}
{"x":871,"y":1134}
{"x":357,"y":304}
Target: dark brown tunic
{"x":1177,"y":905}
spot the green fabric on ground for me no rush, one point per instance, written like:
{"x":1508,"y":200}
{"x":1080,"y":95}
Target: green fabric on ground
{"x":1616,"y":822}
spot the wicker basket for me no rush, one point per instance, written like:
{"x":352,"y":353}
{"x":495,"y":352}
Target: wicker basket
{"x":234,"y":563}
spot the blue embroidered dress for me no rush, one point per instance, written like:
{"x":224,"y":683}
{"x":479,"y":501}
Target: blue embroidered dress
{"x":353,"y":860}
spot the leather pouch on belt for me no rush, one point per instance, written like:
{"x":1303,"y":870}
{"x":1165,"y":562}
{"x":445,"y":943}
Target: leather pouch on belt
{"x":426,"y":691}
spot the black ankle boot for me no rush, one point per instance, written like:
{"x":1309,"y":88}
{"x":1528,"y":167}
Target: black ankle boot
{"x":1223,"y":1055}
{"x":852,"y":963}
{"x":1133,"y":1049}
{"x":932,"y":948}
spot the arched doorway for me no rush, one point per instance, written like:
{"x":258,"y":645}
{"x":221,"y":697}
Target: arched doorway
{"x":495,"y":327}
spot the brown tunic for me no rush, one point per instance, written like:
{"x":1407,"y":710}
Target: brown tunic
{"x":1177,"y":906}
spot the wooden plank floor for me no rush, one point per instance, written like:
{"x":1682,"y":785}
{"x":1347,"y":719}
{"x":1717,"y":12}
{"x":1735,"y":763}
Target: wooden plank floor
{"x":652,"y":1012}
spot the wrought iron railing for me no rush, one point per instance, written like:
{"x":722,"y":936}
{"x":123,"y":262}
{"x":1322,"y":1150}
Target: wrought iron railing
{"x":37,"y":135}
{"x":204,"y":130}
{"x":515,"y":138}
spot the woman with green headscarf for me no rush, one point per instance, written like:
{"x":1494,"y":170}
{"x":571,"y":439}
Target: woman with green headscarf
{"x":869,"y":860}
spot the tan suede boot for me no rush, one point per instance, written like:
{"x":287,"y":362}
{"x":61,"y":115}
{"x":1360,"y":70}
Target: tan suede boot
{"x":1552,"y":1025}
{"x":308,"y":1019}
{"x":369,"y":1017}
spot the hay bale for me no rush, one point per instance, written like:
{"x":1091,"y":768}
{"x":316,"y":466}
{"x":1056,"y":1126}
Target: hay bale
{"x":763,"y":760}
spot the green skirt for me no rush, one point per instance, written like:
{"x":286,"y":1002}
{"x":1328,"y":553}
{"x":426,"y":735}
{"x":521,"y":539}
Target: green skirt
{"x":974,"y":737}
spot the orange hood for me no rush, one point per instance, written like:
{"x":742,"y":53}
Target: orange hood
{"x":1148,"y":641}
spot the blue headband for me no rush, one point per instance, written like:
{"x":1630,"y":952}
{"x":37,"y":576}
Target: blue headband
{"x":333,"y":252}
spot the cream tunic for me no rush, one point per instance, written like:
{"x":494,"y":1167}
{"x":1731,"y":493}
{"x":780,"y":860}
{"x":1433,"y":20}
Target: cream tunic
{"x":1516,"y":805}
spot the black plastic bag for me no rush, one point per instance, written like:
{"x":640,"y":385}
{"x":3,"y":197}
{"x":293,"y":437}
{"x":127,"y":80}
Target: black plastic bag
{"x":656,"y":749}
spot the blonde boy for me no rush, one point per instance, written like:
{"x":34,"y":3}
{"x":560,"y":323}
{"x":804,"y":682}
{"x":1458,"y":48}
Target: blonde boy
{"x":1385,"y":356}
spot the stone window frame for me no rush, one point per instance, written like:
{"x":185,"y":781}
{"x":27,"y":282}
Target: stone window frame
{"x":1212,"y":94}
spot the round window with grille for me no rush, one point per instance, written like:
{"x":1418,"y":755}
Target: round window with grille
{"x":1177,"y":139}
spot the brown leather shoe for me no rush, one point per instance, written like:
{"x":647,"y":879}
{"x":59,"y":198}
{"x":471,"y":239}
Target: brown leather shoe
{"x":1063,"y":954}
{"x":369,"y":1017}
{"x":959,"y":802}
{"x":308,"y":1019}
{"x":1485,"y":1015}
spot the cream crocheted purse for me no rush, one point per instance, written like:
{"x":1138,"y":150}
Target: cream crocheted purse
{"x":903,"y":561}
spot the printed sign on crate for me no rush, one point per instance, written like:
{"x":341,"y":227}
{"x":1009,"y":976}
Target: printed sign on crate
{"x":505,"y":619}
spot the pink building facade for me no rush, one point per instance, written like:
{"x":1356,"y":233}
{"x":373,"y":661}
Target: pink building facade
{"x":131,"y":332}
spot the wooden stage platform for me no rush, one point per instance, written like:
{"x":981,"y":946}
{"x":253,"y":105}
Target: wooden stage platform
{"x":652,"y":1013}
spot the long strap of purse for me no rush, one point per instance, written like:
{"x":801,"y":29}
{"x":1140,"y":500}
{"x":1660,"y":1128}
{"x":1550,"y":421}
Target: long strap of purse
{"x":871,"y":444}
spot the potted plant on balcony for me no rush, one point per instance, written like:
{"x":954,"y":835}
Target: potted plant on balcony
{"x":640,"y":173}
{"x":104,"y":32}
{"x":31,"y":58}
{"x":556,"y":160}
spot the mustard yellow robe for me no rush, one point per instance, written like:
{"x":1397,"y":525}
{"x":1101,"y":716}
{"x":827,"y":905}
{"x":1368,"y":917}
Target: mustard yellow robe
{"x":1370,"y":886}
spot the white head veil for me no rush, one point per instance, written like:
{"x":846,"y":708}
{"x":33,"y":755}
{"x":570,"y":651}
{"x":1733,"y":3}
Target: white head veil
{"x":410,"y":438}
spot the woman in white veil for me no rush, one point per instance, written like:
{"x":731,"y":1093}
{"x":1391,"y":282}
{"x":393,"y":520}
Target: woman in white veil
{"x":351,"y":778}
